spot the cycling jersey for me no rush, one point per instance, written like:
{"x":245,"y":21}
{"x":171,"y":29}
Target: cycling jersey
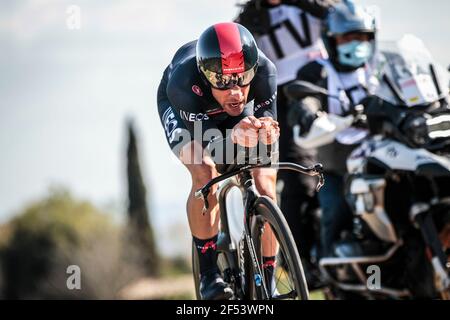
{"x":187,"y":108}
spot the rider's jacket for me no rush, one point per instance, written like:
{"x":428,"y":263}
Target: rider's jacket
{"x":289,"y":34}
{"x":351,"y":88}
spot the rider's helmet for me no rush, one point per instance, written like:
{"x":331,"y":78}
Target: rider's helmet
{"x":227,"y":55}
{"x":343,"y":19}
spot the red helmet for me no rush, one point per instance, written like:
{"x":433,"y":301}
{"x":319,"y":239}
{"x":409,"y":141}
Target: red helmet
{"x":227,"y":55}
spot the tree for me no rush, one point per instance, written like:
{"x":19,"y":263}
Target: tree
{"x":54,"y":233}
{"x":143,"y":247}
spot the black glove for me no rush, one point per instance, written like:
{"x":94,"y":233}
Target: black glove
{"x":360,"y":117}
{"x":298,"y":114}
{"x":376,"y":112}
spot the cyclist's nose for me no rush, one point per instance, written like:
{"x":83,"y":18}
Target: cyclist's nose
{"x":236,"y":91}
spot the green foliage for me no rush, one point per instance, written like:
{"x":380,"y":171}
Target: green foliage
{"x":143,"y":249}
{"x":68,"y":222}
{"x":52,"y":234}
{"x":175,"y":266}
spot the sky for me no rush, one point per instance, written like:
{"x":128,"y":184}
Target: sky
{"x":66,"y":93}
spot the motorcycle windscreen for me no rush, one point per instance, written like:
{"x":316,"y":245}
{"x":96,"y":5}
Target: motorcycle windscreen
{"x":408,"y":74}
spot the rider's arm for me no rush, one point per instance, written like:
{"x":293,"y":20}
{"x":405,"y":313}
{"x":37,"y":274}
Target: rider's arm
{"x":264,"y":87}
{"x":304,"y":112}
{"x":379,"y":112}
{"x":197,"y":123}
{"x":265,"y":104}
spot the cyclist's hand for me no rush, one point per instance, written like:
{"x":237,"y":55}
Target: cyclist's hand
{"x":269,"y":131}
{"x":245,"y":133}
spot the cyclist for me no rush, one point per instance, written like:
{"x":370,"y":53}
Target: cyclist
{"x":289,"y":33}
{"x":349,"y":37}
{"x":220,"y":84}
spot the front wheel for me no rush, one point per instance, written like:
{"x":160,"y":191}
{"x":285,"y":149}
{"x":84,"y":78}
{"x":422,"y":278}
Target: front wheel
{"x":288,"y":279}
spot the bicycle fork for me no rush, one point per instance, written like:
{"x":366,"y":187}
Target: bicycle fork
{"x":258,"y":276}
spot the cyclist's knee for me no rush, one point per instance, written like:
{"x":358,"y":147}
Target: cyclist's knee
{"x":265,"y":180}
{"x":191,"y":153}
{"x":202,"y":173}
{"x":201,"y":167}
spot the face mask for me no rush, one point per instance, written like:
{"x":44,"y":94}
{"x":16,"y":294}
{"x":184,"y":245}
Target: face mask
{"x":354,"y":53}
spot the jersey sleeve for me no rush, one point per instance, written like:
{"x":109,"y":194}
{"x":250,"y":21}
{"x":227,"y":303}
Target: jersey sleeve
{"x":189,"y":110}
{"x":265,"y":89}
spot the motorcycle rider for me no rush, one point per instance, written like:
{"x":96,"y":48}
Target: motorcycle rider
{"x":407,"y":117}
{"x":289,"y":33}
{"x":349,"y":37}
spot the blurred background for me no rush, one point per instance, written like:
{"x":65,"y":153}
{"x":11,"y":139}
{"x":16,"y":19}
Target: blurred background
{"x":86,"y":176}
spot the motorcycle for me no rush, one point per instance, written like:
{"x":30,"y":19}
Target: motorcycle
{"x":398,"y":182}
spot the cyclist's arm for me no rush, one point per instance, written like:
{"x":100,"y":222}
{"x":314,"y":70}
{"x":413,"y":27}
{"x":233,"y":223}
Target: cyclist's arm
{"x":265,"y":103}
{"x":197,"y":123}
{"x":264,"y":87}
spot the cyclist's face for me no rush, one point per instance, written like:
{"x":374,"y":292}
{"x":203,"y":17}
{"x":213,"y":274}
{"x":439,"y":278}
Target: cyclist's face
{"x":232,"y":100}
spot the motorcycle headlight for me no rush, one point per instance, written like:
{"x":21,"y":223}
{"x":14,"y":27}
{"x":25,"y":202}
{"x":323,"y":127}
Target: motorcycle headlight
{"x":416,"y":129}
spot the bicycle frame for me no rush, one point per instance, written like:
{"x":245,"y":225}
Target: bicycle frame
{"x":250,"y":194}
{"x":225,"y":243}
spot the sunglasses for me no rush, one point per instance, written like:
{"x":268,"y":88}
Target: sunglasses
{"x":227,"y":81}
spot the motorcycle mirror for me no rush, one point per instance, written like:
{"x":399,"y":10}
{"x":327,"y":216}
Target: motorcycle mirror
{"x":302,"y":89}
